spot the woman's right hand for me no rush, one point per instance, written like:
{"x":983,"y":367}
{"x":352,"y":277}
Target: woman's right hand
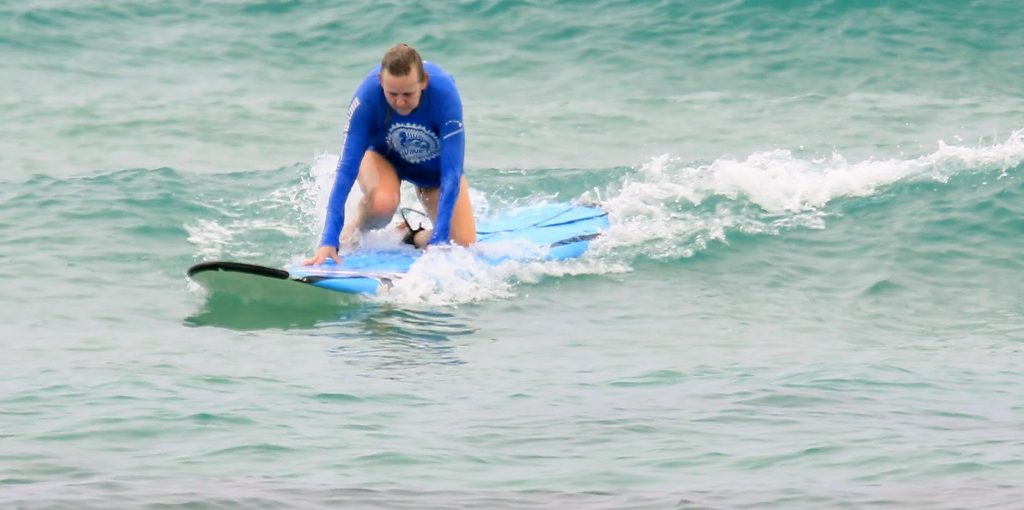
{"x":322,"y":254}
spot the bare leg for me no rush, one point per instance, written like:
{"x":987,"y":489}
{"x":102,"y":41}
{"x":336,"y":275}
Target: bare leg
{"x":381,"y":196}
{"x":463,"y":229}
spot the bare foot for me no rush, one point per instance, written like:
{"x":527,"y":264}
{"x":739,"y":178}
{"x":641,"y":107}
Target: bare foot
{"x":420,"y":236}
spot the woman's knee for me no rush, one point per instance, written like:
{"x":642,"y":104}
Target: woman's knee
{"x":382,"y":202}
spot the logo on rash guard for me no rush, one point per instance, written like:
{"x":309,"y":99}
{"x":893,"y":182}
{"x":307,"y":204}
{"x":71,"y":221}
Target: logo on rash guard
{"x":352,"y":108}
{"x":414,"y":142}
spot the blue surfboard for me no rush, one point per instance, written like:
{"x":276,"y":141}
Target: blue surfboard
{"x":550,"y":232}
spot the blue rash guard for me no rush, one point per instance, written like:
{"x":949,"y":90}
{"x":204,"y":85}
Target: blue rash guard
{"x":426,"y":147}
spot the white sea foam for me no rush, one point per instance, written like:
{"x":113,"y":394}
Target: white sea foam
{"x":210,"y":237}
{"x":673,"y":208}
{"x":456,"y":275}
{"x":317,"y":189}
{"x":779,"y":182}
{"x":450,"y":276}
{"x":241,"y":232}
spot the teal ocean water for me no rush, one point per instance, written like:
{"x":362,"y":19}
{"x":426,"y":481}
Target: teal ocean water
{"x":811,"y":294}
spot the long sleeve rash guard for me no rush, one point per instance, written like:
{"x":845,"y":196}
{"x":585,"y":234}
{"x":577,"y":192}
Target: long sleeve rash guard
{"x":426,"y":147}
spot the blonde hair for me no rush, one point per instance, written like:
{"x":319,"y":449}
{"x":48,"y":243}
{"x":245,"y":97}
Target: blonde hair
{"x":400,"y":60}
